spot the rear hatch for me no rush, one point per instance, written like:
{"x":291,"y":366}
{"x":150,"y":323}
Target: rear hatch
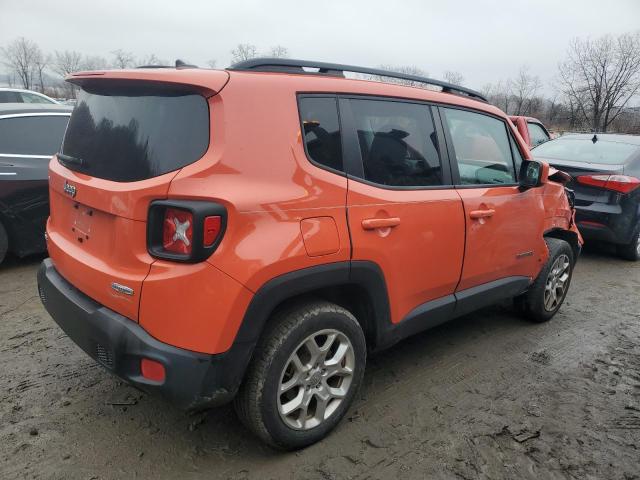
{"x":129,"y":135}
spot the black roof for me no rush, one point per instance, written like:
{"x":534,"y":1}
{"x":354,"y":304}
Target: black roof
{"x":16,"y":108}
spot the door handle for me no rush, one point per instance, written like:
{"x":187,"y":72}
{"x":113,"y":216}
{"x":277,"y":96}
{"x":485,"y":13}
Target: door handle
{"x":482,"y":213}
{"x":373,"y":223}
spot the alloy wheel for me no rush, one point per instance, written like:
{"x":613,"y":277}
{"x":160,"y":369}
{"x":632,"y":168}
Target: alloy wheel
{"x":316,"y":379}
{"x":557,"y":283}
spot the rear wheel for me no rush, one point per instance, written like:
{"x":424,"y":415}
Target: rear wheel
{"x":630,"y":251}
{"x":544,"y":298}
{"x":4,"y":242}
{"x":305,"y":373}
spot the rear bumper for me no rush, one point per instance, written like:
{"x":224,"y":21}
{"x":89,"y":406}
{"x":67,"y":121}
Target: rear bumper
{"x":614,"y":227}
{"x":192,"y":381}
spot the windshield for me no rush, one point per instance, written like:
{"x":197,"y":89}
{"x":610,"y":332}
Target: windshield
{"x":584,"y":150}
{"x":133,"y":133}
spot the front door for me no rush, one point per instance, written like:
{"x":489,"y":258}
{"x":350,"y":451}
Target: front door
{"x":503,"y":223}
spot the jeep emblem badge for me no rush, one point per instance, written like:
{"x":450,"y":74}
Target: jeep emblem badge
{"x":70,"y":189}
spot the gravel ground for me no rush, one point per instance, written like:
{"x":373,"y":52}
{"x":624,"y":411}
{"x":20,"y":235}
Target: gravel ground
{"x":486,"y":396}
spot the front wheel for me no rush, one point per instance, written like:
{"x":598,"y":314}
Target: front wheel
{"x":545,"y":296}
{"x":306,"y":371}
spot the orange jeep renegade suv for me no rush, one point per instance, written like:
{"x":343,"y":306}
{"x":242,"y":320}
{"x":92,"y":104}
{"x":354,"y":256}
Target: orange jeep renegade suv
{"x":253,"y":233}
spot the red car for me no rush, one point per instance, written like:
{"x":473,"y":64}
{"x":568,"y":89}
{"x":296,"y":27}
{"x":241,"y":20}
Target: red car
{"x":532,"y":130}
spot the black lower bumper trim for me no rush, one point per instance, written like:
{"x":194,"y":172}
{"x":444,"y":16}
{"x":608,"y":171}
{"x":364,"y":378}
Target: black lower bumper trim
{"x":193,"y":380}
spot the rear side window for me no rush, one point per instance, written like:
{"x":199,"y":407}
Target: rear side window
{"x":537,"y":134}
{"x":321,"y":127}
{"x":132,"y":133}
{"x":40,"y":135}
{"x":398,"y":143}
{"x":10,"y":97}
{"x":482,"y":148}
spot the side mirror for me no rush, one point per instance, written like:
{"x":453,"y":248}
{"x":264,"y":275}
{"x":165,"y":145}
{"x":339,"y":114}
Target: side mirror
{"x":531,"y":174}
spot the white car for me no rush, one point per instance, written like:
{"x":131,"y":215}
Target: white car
{"x":17,"y":95}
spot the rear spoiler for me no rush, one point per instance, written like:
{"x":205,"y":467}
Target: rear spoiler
{"x":206,"y":82}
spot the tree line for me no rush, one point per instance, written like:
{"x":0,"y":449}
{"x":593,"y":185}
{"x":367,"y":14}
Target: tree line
{"x":594,"y":88}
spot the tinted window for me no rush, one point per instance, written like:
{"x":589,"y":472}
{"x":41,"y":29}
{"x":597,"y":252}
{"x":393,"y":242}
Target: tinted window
{"x":129,"y":134}
{"x":32,"y":135}
{"x":31,"y":98}
{"x":398,"y":143}
{"x":322,"y":130}
{"x":482,"y":148}
{"x":10,"y":97}
{"x":537,"y":134}
{"x":584,"y":150}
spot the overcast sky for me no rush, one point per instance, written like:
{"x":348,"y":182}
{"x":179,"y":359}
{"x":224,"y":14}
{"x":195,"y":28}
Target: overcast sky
{"x":484,"y":40}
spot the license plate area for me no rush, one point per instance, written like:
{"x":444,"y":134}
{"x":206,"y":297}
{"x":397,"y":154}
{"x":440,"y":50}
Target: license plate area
{"x":82,"y":222}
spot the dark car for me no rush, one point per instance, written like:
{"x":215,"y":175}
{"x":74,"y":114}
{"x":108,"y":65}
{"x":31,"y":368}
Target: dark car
{"x":29,"y":135}
{"x":606,"y":180}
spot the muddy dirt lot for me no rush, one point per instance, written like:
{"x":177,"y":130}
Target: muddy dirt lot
{"x":486,"y":396}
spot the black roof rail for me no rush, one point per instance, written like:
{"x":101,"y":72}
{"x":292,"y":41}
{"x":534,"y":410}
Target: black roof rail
{"x":288,"y":65}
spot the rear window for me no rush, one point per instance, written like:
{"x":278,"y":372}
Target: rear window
{"x":584,"y":150}
{"x":32,"y":135}
{"x":132,"y":133}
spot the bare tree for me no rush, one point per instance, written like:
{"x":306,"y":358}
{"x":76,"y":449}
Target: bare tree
{"x":524,"y":89}
{"x":279,"y":52}
{"x":405,"y":69}
{"x":152,"y":59}
{"x":122,"y":59}
{"x":40,"y":62}
{"x":601,"y":76}
{"x":243,"y":51}
{"x":66,"y":62}
{"x":456,"y":78}
{"x":94,"y":62}
{"x":20,"y":56}
{"x":212,"y":63}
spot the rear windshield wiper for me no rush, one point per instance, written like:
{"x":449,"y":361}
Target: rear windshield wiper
{"x":68,"y":159}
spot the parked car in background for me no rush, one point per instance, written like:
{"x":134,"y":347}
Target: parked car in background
{"x":16,"y":95}
{"x":606,"y":182}
{"x":29,"y":135}
{"x":201,"y":255}
{"x":531,"y":129}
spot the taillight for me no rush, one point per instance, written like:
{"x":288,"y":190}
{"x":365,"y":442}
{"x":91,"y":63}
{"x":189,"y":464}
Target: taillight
{"x":177,"y":231}
{"x":185,"y":230}
{"x":616,"y":183}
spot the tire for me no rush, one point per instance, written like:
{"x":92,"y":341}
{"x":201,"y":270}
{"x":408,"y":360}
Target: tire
{"x":268,"y":414}
{"x":630,"y":251}
{"x":4,"y":243}
{"x":538,"y":303}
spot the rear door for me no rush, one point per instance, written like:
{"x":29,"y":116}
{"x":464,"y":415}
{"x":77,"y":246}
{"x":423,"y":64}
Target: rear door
{"x":504,"y":224}
{"x":403,"y":212}
{"x":124,"y":144}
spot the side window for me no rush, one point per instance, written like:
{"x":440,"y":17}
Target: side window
{"x":321,"y":128}
{"x":482,"y":148}
{"x":537,"y":134}
{"x":398,"y":143}
{"x":10,"y":97}
{"x":31,"y":98}
{"x":32,"y":135}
